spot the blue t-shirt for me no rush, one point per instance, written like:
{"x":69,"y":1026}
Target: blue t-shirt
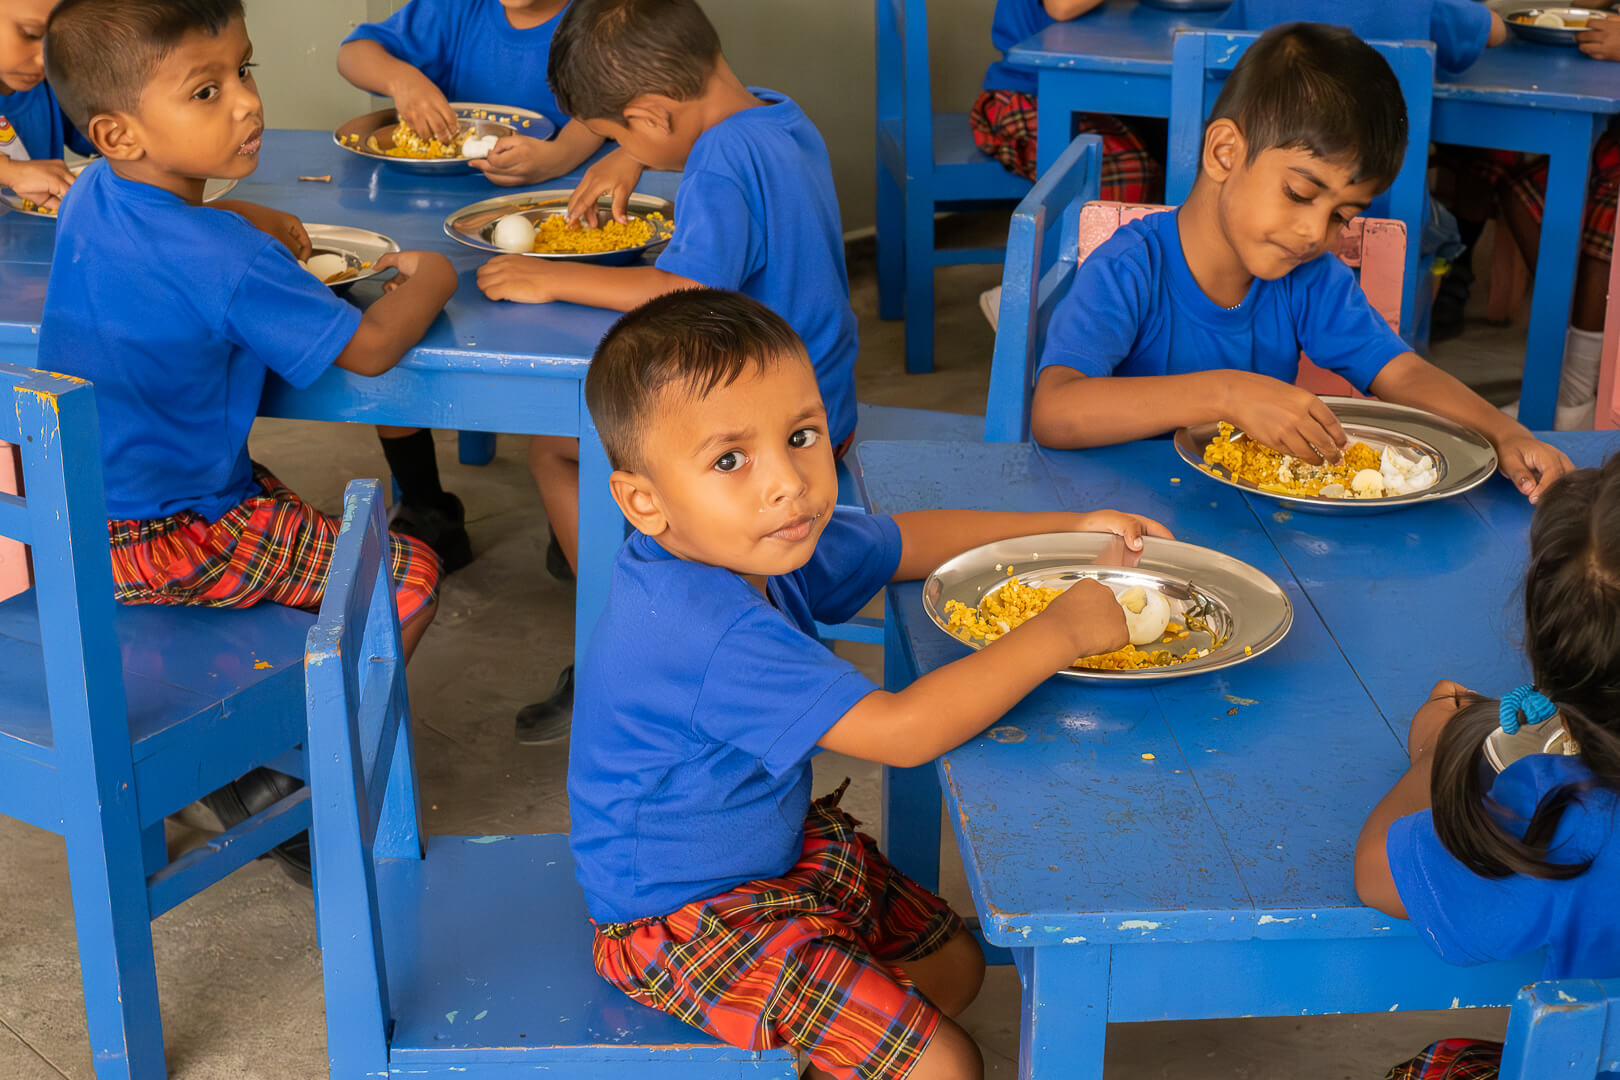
{"x":471,"y":52}
{"x":1458,"y":28}
{"x":35,"y":117}
{"x":1135,"y":309}
{"x":1469,"y":919}
{"x":175,"y":312}
{"x":1015,"y":21}
{"x":756,"y":212}
{"x":700,"y":704}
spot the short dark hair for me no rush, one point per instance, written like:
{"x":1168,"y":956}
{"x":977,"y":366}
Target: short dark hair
{"x":694,"y":340}
{"x":1318,"y":88}
{"x":606,"y":53}
{"x":100,"y":54}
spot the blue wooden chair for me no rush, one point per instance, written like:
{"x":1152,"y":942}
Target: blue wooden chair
{"x":113,"y":717}
{"x":926,"y":162}
{"x":1201,"y":61}
{"x":456,"y":956}
{"x":1564,"y":1028}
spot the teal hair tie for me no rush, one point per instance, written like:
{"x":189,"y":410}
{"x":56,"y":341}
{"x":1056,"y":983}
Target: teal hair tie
{"x":1529,"y":701}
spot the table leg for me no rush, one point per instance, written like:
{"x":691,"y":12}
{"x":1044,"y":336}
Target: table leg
{"x":1054,"y":118}
{"x":910,"y":796}
{"x":1550,"y":300}
{"x":1064,"y":1022}
{"x":601,"y":531}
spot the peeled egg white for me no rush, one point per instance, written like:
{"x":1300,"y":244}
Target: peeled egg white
{"x":479,"y":146}
{"x":514,"y":232}
{"x":1547,"y":18}
{"x":326,"y":265}
{"x":1147,"y":613}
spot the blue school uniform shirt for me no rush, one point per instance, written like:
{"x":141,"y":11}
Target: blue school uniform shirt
{"x":1469,"y":919}
{"x":176,"y":312}
{"x":1014,"y":21}
{"x":756,"y":212}
{"x":1458,"y":28}
{"x":469,"y":50}
{"x":1135,"y":309}
{"x":34,"y":119}
{"x":700,"y":704}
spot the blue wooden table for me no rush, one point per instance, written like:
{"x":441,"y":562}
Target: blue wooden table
{"x":483,"y":365}
{"x":1520,"y":96}
{"x":1183,"y":850}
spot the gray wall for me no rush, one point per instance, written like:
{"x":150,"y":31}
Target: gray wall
{"x":818,"y":52}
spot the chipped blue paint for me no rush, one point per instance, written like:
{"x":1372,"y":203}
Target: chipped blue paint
{"x":450,"y":1016}
{"x":1233,"y":699}
{"x":481,"y":1014}
{"x":486,"y":839}
{"x":1139,"y":924}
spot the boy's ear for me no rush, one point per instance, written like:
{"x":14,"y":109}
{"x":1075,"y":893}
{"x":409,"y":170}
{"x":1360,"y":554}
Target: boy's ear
{"x":115,"y":136}
{"x":1224,"y":149}
{"x":651,"y":110}
{"x":638,"y":501}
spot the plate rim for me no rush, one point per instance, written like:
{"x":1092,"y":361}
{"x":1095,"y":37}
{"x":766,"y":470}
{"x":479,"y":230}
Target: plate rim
{"x":389,"y":243}
{"x":542,"y":197}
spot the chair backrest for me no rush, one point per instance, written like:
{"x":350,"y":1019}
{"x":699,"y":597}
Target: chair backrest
{"x":1608,"y":400}
{"x":51,"y":419}
{"x":362,"y":778}
{"x":904,"y":90}
{"x":1568,"y":1028}
{"x":14,"y":577}
{"x":1201,"y":61}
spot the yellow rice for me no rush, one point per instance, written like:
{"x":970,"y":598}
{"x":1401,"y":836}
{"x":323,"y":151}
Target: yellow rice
{"x":556,"y":237}
{"x":1272,"y":470}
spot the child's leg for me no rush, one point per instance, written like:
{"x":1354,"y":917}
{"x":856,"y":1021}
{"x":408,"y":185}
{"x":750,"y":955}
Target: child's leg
{"x":425,"y":511}
{"x":1004,"y":124}
{"x":554,"y":463}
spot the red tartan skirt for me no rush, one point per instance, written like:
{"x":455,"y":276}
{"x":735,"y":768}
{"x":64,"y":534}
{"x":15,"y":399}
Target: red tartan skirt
{"x":272,"y":546}
{"x":1003,"y":123}
{"x":1527,"y":185}
{"x":1452,"y":1059}
{"x":807,"y":960}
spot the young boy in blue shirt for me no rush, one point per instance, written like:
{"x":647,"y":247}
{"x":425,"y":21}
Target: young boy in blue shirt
{"x":756,"y":211}
{"x":720,"y":892}
{"x":1200,"y":314}
{"x":177,"y":311}
{"x":33,"y":129}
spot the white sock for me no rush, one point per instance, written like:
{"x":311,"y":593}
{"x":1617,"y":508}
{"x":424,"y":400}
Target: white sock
{"x":1583,"y":352}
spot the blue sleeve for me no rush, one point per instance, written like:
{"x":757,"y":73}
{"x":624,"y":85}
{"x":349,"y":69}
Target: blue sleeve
{"x":1465,"y":918}
{"x":1338,"y":329}
{"x":773,"y":692}
{"x":1095,"y":326}
{"x":421,"y":33}
{"x":856,"y":556}
{"x":1460,"y":30}
{"x":289,"y":320}
{"x":717,"y":239}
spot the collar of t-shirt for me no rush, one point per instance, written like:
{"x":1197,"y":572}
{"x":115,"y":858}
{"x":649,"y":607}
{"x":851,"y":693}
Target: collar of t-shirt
{"x":653,"y":551}
{"x":1192,"y":300}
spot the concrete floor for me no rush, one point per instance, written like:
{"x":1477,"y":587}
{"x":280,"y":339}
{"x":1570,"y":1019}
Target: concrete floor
{"x":238,"y":966}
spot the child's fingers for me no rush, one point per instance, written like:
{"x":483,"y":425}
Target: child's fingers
{"x":1153,"y":528}
{"x":391,"y":259}
{"x":1329,"y":422}
{"x":1299,"y":444}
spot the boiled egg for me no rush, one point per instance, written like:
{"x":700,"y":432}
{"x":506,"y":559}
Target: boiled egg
{"x":479,"y":146}
{"x":1548,"y":18}
{"x":326,"y":265}
{"x":514,"y":232}
{"x":1368,"y":484}
{"x":1147,"y":613}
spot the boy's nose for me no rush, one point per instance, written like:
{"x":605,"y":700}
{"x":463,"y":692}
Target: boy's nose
{"x":785,"y":481}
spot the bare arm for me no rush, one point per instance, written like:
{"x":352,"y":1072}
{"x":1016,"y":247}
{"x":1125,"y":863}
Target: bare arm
{"x":518,"y":159}
{"x":1499,"y":31}
{"x":930,"y":537}
{"x":537,"y":281}
{"x":420,"y":103}
{"x":42,"y":182}
{"x":1064,"y":10}
{"x":396,"y":322}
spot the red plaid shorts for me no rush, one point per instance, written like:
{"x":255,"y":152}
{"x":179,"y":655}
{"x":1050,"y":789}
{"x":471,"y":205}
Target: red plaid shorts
{"x":1003,"y":123}
{"x":1452,"y":1059}
{"x":1527,"y":185}
{"x":806,"y":960}
{"x":272,"y":546}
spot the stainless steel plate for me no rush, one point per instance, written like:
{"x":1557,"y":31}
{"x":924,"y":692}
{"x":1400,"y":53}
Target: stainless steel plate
{"x":360,"y":248}
{"x":472,"y":225}
{"x":214,"y":189}
{"x":356,"y":135}
{"x":1464,"y":459}
{"x":1243,"y":608}
{"x":1519,"y":20}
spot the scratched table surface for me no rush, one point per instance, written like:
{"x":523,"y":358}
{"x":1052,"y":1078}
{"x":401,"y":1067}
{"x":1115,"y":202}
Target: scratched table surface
{"x":1184,"y":849}
{"x":482,"y":366}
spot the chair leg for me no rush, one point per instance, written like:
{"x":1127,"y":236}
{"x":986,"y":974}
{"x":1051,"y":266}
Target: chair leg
{"x":155,"y":848}
{"x":891,"y":250}
{"x":919,"y":202}
{"x":476,"y":447}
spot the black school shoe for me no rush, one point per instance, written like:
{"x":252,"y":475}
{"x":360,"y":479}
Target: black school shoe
{"x":442,"y":528}
{"x":549,"y":721}
{"x":241,"y":799}
{"x":556,"y":562}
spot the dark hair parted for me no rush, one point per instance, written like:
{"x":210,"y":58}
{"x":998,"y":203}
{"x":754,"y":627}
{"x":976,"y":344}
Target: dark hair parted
{"x":606,"y":53}
{"x":1572,"y":640}
{"x":100,"y":54}
{"x":1319,"y":88}
{"x":691,"y":340}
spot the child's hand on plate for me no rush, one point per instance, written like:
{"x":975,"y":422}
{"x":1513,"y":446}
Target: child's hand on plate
{"x":519,"y":159}
{"x":520,"y":278}
{"x":40,"y":182}
{"x":1283,"y":416}
{"x":1601,"y":38}
{"x":1132,"y":527}
{"x":424,"y":107}
{"x":1088,"y":613}
{"x":407,"y":264}
{"x":616,"y":175}
{"x":288,"y":229}
{"x":1531,"y":464}
{"x":1445,"y":701}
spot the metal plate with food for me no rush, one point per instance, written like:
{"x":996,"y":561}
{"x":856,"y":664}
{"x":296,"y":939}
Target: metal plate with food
{"x":214,"y":189}
{"x":531,"y":223}
{"x":1398,"y":456}
{"x":344,"y":254}
{"x":380,"y":136}
{"x":1551,"y":25}
{"x":1190,"y":610}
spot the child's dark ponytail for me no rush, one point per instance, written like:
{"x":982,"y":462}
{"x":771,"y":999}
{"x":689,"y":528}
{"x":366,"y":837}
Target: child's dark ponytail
{"x":1572,"y":638}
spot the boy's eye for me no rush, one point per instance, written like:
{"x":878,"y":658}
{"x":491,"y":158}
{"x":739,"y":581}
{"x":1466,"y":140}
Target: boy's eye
{"x":1296,"y":196}
{"x":804,"y":437}
{"x":730,"y":461}
{"x":245,"y":71}
{"x":206,"y":93}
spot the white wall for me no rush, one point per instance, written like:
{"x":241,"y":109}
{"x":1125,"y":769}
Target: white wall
{"x":817,"y":51}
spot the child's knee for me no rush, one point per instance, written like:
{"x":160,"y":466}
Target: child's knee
{"x":950,"y":1054}
{"x":547,"y":452}
{"x":951,"y":976}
